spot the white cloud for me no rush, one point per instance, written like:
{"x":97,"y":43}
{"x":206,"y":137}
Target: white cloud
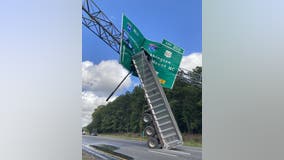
{"x":102,"y":78}
{"x":191,"y":61}
{"x":98,"y":81}
{"x":90,"y":103}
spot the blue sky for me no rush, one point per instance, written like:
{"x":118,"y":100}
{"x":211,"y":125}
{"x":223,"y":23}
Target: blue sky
{"x":179,"y":22}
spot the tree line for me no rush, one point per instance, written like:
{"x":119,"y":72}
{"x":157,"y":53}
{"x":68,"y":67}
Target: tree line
{"x":124,"y":114}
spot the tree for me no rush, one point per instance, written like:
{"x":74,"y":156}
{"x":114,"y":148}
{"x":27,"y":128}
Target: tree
{"x":125,"y":113}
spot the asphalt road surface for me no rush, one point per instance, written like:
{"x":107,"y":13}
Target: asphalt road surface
{"x":139,"y":150}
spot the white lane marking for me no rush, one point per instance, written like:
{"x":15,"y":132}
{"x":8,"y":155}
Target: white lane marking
{"x":194,"y":150}
{"x":190,"y":149}
{"x":181,"y":152}
{"x":163,"y":153}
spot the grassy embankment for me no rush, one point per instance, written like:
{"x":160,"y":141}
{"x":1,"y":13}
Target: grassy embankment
{"x":87,"y":156}
{"x":189,"y":139}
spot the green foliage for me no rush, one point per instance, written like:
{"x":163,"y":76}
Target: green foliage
{"x":124,"y":114}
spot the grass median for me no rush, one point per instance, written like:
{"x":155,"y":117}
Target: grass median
{"x":87,"y":156}
{"x":193,"y":140}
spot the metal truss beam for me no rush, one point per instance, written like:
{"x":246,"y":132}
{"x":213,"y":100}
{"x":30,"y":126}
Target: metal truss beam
{"x":98,"y":23}
{"x":190,"y":77}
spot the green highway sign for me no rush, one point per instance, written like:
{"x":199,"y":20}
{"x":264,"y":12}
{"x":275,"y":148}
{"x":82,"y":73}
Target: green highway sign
{"x":165,"y":60}
{"x":172,"y":46}
{"x":125,"y":56}
{"x":166,"y":57}
{"x":130,"y":44}
{"x":135,"y":37}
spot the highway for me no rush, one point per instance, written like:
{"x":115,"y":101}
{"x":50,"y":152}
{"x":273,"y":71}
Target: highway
{"x":139,"y":151}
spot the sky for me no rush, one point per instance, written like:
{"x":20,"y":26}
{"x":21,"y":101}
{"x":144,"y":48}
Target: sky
{"x":180,"y":22}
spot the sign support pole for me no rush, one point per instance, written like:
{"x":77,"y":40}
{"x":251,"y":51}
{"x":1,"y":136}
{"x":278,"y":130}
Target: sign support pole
{"x":118,"y":86}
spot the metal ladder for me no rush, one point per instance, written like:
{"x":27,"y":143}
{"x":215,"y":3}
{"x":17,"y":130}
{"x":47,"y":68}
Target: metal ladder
{"x":163,"y":118}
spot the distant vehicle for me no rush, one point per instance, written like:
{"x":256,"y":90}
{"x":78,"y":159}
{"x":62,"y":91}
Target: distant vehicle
{"x":94,"y":133}
{"x":83,"y":132}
